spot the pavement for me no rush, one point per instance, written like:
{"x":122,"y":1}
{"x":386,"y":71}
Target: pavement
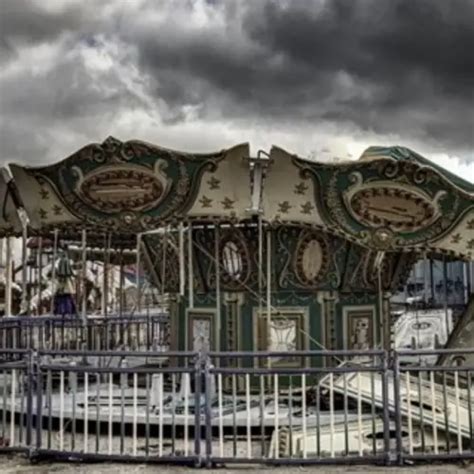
{"x":10,"y":464}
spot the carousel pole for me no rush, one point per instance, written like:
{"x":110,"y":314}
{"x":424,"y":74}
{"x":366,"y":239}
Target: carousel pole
{"x":24,"y":268}
{"x":39,"y":260}
{"x":269,"y":291}
{"x":83,"y":277}
{"x":163,"y":264}
{"x":182,"y":282}
{"x":218,"y":286}
{"x":104,"y":286}
{"x":137,"y":273}
{"x":260,"y":266}
{"x":121,"y":284}
{"x":105,"y":281}
{"x":53,"y":271}
{"x":190,"y":267}
{"x":445,"y":291}
{"x":8,"y":278}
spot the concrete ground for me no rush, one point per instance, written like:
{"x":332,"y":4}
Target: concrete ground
{"x":20,"y":465}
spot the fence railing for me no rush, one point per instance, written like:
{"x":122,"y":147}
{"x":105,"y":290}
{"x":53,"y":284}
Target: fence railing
{"x":137,"y":332}
{"x":208,"y":409}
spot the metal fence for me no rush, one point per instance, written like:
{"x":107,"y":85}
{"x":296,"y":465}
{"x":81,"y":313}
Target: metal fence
{"x":137,"y":332}
{"x":207,"y":409}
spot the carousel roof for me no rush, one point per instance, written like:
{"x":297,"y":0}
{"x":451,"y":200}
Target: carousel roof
{"x":390,"y":199}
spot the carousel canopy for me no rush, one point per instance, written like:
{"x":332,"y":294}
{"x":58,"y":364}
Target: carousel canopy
{"x":391,"y":199}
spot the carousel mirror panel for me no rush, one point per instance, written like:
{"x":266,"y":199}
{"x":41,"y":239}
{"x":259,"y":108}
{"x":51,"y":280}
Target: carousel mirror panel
{"x":359,"y":327}
{"x":201,"y":331}
{"x":285,"y":332}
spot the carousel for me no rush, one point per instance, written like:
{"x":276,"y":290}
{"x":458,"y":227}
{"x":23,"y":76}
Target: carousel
{"x":127,"y":246}
{"x":273,"y":252}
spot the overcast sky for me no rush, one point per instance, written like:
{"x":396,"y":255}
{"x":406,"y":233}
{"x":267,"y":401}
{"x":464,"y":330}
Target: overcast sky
{"x":320,"y":78}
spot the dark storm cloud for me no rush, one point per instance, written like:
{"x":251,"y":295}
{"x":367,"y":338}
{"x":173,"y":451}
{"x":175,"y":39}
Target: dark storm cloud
{"x":28,"y":22}
{"x":395,"y":66}
{"x":73,"y":71}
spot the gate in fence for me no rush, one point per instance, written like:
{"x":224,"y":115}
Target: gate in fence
{"x":207,"y":409}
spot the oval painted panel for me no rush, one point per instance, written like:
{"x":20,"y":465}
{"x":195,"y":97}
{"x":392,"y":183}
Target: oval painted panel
{"x":398,"y":209}
{"x":311,"y":259}
{"x":119,"y":189}
{"x":232,"y":260}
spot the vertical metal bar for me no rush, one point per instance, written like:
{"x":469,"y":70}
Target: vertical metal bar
{"x":372,"y":409}
{"x":186,"y":412}
{"x":277,"y":414}
{"x":173,"y":413}
{"x":24,"y":268}
{"x":260,"y":264}
{"x":445,"y":290}
{"x":49,"y":390}
{"x":446,"y":419}
{"x":8,"y":278}
{"x":12,"y":408}
{"x":121,"y":295}
{"x":135,"y":413}
{"x":73,"y":388}
{"x":409,"y":412}
{"x":218,"y":287}
{"x":4,"y":405}
{"x":249,"y":429}
{"x":147,"y":415}
{"x":303,"y":409}
{"x":53,"y":269}
{"x":318,"y":420}
{"x":29,"y":375}
{"x":234,"y":415}
{"x":262,"y":415}
{"x":97,"y":412}
{"x":386,"y":416}
{"x":138,"y":273}
{"x":398,"y":416}
{"x":123,"y":386}
{"x":331,"y":413}
{"x":346,"y":428}
{"x":160,"y":414}
{"x":84,"y":277}
{"x":221,"y":416}
{"x":190,"y":267}
{"x":86,"y":411}
{"x":290,"y":414}
{"x":40,"y":274}
{"x":39,"y":406}
{"x":359,"y":413}
{"x":470,"y":409}
{"x":205,"y":364}
{"x":61,"y":410}
{"x":197,"y":404}
{"x":433,"y":413}
{"x":458,"y":421}
{"x":182,"y":280}
{"x":269,"y":293}
{"x":104,"y":281}
{"x":22,"y":404}
{"x":111,"y":406}
{"x":421,"y":411}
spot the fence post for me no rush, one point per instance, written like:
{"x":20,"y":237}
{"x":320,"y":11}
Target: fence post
{"x":197,"y":408}
{"x":208,"y":408}
{"x":38,"y":382}
{"x":398,"y":416}
{"x":30,"y":374}
{"x":385,"y":398}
